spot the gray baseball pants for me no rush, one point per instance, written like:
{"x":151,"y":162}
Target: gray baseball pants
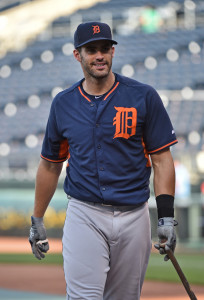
{"x":105,"y":250}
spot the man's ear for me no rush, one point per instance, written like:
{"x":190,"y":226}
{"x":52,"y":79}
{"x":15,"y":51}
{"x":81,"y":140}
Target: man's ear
{"x":77,"y":55}
{"x":113,"y":51}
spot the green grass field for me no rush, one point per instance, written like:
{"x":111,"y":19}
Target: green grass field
{"x":191,"y":264}
{"x":13,"y":258}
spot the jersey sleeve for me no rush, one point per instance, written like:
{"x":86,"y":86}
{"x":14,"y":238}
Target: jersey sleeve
{"x":55,"y":146}
{"x":158,"y":132}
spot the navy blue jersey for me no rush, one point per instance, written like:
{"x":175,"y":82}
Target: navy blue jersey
{"x":108,"y":146}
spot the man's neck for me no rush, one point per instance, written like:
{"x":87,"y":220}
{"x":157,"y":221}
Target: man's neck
{"x":93,"y":86}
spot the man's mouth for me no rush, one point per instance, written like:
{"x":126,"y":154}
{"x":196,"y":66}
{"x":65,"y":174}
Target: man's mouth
{"x":99,"y":66}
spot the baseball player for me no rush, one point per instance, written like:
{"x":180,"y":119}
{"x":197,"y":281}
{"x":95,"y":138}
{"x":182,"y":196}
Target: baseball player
{"x":108,"y":127}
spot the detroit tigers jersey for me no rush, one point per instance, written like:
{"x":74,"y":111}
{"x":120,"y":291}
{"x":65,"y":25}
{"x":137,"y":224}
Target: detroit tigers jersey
{"x":108,"y":146}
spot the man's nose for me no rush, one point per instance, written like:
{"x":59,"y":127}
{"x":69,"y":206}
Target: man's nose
{"x":99,"y":55}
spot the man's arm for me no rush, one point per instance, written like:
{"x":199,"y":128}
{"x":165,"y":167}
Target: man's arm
{"x":164,"y":173}
{"x":164,"y":188}
{"x":46,"y":183}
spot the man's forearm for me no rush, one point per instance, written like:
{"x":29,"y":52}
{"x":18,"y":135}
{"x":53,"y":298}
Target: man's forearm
{"x":164,"y":187}
{"x":46,"y":184}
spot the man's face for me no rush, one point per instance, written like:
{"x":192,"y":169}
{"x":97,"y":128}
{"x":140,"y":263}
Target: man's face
{"x":96,"y":58}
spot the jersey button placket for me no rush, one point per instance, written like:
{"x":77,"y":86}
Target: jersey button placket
{"x":100,"y":168}
{"x":99,"y":155}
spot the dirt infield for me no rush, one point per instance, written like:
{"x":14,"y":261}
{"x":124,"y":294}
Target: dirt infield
{"x":50,"y":279}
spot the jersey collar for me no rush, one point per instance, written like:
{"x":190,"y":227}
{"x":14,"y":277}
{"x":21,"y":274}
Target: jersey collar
{"x":116,"y":83}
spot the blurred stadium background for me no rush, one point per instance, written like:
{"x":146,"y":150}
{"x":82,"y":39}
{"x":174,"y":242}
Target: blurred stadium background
{"x":161,"y":44}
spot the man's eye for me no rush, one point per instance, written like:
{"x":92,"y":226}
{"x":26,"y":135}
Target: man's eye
{"x":91,"y":50}
{"x":106,"y":49}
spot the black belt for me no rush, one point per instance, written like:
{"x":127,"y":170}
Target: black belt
{"x":110,"y":205}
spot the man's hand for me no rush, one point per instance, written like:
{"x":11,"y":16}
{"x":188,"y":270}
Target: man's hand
{"x":166,"y":235}
{"x":38,"y":238}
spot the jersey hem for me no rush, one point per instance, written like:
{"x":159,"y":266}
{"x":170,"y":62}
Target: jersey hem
{"x":51,"y":160}
{"x":163,"y":147}
{"x":118,"y":202}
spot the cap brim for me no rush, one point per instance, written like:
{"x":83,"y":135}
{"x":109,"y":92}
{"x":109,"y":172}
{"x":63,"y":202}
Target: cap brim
{"x":96,"y":39}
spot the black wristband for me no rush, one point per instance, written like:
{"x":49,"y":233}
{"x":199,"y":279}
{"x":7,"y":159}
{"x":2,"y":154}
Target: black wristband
{"x":165,"y":206}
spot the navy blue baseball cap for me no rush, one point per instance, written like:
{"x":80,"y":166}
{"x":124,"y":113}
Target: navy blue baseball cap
{"x":90,"y":32}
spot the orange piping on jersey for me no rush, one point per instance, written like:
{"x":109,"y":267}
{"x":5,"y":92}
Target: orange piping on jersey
{"x":176,"y":141}
{"x":56,"y":161}
{"x":148,"y":164}
{"x":113,"y":89}
{"x":68,"y":157}
{"x":63,"y":151}
{"x":83,"y":94}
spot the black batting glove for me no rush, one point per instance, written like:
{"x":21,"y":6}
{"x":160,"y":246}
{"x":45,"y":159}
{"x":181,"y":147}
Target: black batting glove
{"x":38,"y":238}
